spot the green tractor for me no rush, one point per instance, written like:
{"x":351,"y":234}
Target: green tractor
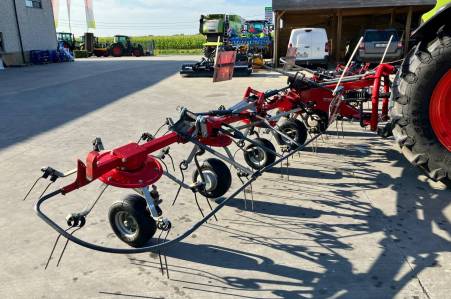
{"x":122,"y":46}
{"x":66,"y":40}
{"x":219,"y":26}
{"x":257,"y":35}
{"x":218,"y":30}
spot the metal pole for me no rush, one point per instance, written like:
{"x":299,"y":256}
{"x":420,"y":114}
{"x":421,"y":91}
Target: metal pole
{"x":276,"y":40}
{"x":386,"y":49}
{"x":347,"y":65}
{"x":68,"y":4}
{"x":407,"y":30}
{"x":18,"y":30}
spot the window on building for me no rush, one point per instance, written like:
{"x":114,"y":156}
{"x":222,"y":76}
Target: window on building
{"x":33,"y":3}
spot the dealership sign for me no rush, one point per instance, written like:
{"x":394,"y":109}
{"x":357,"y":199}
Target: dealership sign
{"x":268,"y":14}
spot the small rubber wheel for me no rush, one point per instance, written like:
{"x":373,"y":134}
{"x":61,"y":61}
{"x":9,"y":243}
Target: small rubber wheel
{"x":256,"y":156}
{"x":131,"y":221}
{"x":321,"y":120}
{"x":218,"y":178}
{"x":294,"y":129}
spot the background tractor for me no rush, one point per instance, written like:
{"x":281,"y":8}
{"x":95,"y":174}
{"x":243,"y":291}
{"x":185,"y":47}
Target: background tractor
{"x":66,"y":40}
{"x":256,"y":36}
{"x":90,"y":44}
{"x":122,"y":46}
{"x":223,"y":27}
{"x":260,"y":39}
{"x":421,"y":99}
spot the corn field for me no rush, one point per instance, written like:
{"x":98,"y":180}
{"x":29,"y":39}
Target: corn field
{"x":174,"y":42}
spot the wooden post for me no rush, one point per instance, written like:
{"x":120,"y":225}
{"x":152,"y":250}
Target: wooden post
{"x":276,"y":40}
{"x":339,"y":29}
{"x":407,"y":31}
{"x":392,"y":17}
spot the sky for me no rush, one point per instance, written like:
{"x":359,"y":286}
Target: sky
{"x":152,"y":17}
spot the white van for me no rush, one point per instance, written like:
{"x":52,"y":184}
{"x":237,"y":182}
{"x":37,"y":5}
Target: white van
{"x":311,"y":44}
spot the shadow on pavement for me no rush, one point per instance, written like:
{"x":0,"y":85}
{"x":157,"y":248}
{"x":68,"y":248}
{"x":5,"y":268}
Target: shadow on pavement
{"x":409,"y":244}
{"x":37,"y":99}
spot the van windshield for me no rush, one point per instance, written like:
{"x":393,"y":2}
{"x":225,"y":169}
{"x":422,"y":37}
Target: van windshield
{"x":382,"y":35}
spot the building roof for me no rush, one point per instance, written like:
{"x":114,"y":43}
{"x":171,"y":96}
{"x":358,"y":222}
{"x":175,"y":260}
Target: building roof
{"x":334,"y":4}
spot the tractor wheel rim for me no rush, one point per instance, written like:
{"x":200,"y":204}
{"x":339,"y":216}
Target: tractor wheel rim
{"x":440,"y":110}
{"x":126,"y":224}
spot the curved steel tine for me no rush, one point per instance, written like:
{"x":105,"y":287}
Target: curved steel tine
{"x":287,"y":170}
{"x":53,"y":249}
{"x":45,"y":189}
{"x":89,"y":208}
{"x":159,"y":253}
{"x":211,"y":208}
{"x":336,"y":129}
{"x":180,"y":186}
{"x":177,"y":194}
{"x":29,"y":191}
{"x":198,"y":206}
{"x":252,"y":197}
{"x":342,"y":130}
{"x":172,"y":161}
{"x":244,"y":193}
{"x":165,"y":258}
{"x":65,"y":246}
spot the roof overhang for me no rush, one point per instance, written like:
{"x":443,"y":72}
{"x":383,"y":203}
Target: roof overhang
{"x":302,"y":5}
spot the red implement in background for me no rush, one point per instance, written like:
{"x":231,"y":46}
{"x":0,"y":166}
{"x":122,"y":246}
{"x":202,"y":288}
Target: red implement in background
{"x":225,"y":63}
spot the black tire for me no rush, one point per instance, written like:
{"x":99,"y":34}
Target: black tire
{"x":257,"y":157}
{"x":294,"y":129}
{"x":218,"y":176}
{"x":116,"y":51}
{"x":141,"y":226}
{"x":137,"y":52}
{"x":323,"y":122}
{"x":412,"y":90}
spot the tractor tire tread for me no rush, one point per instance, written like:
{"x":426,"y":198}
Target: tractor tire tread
{"x":420,"y":71}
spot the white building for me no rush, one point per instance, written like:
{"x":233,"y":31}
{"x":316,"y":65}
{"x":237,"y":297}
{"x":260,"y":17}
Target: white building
{"x":25,"y":25}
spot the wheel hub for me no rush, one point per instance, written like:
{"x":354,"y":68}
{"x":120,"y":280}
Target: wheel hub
{"x":290,"y":132}
{"x":211,"y":180}
{"x":126,"y":223}
{"x":440,"y":110}
{"x":257,"y":156}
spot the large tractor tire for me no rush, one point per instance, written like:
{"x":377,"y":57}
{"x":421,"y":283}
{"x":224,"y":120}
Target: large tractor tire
{"x":421,"y":110}
{"x":116,"y":50}
{"x":138,"y":52}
